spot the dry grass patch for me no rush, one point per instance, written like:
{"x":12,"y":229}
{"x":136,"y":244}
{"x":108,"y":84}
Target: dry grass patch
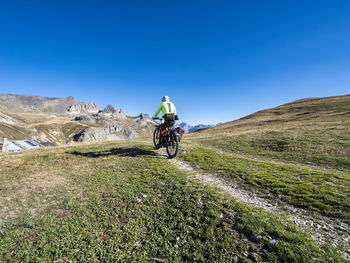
{"x":33,"y":193}
{"x":36,"y":180}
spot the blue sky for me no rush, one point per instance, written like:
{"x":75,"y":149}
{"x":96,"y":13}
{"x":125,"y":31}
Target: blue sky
{"x":217,"y":60}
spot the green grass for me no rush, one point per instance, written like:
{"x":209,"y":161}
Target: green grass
{"x":328,"y":148}
{"x":120,"y":202}
{"x":327,"y":192}
{"x":314,"y":131}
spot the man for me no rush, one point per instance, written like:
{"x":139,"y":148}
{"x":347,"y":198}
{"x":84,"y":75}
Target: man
{"x":169,"y":111}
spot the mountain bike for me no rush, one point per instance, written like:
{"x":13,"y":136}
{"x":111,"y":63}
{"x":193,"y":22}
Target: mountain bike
{"x":170,"y":140}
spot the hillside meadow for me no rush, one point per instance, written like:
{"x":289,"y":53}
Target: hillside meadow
{"x":123,"y":202}
{"x":313,"y":131}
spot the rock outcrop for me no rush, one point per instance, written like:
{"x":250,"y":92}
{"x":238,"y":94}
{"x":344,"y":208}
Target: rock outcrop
{"x":104,"y":126}
{"x":83,"y":108}
{"x":113,"y":113}
{"x":4,"y":118}
{"x":108,"y":132}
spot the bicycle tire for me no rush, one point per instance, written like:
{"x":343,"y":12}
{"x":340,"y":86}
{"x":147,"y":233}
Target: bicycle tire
{"x":174,"y":143}
{"x":156,"y":137}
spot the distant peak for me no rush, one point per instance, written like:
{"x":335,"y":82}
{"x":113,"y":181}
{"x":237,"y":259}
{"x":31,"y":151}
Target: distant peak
{"x":109,"y":109}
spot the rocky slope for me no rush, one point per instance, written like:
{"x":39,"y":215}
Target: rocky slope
{"x":79,"y":108}
{"x":66,"y":120}
{"x":113,"y":125}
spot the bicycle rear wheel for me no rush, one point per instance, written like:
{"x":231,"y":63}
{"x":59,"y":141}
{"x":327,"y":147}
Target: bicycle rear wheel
{"x":172,"y":146}
{"x":156,"y":136}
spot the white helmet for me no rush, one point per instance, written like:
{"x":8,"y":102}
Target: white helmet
{"x":165,"y":98}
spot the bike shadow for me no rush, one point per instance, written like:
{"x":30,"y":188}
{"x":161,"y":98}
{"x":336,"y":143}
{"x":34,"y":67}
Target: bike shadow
{"x":123,"y":152}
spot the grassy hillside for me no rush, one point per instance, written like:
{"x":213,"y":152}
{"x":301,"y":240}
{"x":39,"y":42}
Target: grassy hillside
{"x":295,"y":155}
{"x":123,"y":202}
{"x":313,"y":131}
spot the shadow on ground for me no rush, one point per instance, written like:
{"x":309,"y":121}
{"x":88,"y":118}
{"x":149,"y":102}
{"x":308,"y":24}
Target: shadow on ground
{"x":124,"y":152}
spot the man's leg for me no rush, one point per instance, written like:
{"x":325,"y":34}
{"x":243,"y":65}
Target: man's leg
{"x":162,"y":133}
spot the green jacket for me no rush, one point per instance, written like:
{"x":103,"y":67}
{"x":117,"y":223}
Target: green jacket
{"x":165,"y":107}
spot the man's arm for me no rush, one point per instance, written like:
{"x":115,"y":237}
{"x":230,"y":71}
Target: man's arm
{"x":157,"y":112}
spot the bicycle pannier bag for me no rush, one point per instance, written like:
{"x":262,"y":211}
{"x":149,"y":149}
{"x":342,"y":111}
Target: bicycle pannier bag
{"x":180,"y":132}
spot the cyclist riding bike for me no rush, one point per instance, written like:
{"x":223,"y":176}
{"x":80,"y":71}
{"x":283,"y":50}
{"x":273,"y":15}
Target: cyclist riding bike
{"x":169,"y":115}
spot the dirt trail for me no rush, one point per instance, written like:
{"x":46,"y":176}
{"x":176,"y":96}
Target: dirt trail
{"x":325,"y":230}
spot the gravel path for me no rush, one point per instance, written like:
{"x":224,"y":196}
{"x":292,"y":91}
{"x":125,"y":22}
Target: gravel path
{"x":325,"y":230}
{"x":232,"y":189}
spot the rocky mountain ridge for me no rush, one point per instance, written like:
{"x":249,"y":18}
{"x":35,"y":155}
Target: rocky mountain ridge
{"x":192,"y":128}
{"x":14,"y":103}
{"x":66,"y":120}
{"x":80,"y":108}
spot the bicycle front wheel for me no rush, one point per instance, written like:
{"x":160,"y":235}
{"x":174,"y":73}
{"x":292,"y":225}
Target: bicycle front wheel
{"x":172,"y":146}
{"x":156,"y":136}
